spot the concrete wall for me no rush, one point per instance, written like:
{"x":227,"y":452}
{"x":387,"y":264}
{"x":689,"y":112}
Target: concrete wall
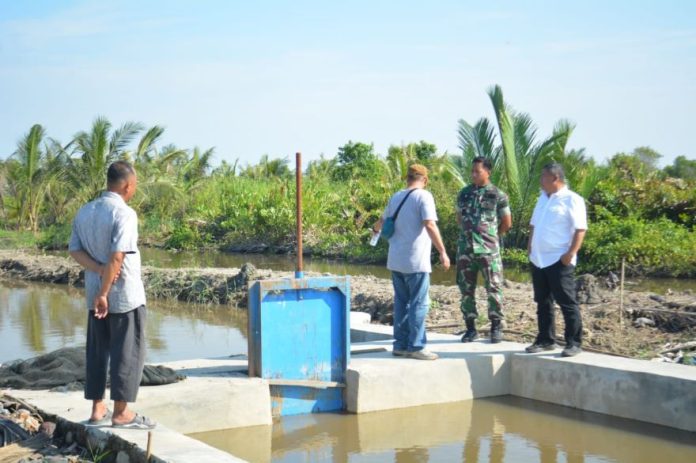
{"x":646,"y":391}
{"x":382,"y":384}
{"x":658,"y":393}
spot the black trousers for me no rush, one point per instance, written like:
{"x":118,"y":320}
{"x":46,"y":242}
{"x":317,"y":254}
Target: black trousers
{"x":118,"y":339}
{"x":556,"y":282}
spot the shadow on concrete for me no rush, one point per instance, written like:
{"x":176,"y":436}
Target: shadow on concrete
{"x":240,"y":371}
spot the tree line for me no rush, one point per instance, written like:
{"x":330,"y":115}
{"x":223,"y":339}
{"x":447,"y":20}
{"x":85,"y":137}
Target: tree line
{"x":186,"y":202}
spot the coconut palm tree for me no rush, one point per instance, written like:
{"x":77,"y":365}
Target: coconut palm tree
{"x":59,"y":192}
{"x":26,"y":174}
{"x":195,"y":169}
{"x":96,"y":150}
{"x":517,"y":159}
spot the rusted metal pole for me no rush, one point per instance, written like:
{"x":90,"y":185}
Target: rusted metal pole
{"x":621,"y":291}
{"x":298,"y":201}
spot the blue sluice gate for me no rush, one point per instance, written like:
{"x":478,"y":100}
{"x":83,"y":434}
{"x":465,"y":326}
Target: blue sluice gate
{"x":299,"y":339}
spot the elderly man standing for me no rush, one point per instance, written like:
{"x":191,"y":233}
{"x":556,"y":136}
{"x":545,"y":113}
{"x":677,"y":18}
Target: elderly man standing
{"x":409,"y":261}
{"x":483,"y":215}
{"x":104,"y":241}
{"x":558,"y":227}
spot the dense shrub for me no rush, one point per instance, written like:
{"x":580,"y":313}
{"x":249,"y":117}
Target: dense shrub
{"x":659,"y":247}
{"x":55,"y":237}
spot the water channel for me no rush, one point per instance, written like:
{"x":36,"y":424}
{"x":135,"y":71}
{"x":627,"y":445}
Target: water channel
{"x":39,"y":318}
{"x":498,"y":430}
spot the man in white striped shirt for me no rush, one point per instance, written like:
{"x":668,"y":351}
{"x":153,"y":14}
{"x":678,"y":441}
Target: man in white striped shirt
{"x":558,"y":227}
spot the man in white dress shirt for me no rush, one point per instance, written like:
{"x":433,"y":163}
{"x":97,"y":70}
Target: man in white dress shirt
{"x":558,"y":227}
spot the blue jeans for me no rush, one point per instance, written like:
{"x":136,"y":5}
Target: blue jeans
{"x":411,"y":303}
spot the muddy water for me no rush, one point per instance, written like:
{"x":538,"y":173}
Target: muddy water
{"x":505,"y":429}
{"x":38,"y":318}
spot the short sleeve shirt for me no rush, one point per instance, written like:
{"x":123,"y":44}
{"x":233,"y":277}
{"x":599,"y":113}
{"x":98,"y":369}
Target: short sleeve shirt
{"x":410,"y":245}
{"x":100,"y":228}
{"x":555,"y":219}
{"x":481,"y":209}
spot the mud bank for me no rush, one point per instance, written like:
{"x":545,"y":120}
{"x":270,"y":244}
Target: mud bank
{"x":648,"y":326}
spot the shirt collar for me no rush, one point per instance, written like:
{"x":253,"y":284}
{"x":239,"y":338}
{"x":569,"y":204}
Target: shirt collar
{"x":561,"y":192}
{"x":112,"y":195}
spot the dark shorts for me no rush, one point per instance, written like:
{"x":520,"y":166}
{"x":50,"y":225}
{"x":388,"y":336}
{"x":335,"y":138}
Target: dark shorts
{"x":118,"y":340}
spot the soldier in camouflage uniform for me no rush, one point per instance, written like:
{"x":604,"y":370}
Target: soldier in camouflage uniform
{"x":483,"y":214}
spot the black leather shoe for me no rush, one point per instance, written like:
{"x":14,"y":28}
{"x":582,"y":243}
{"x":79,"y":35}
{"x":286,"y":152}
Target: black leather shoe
{"x":571,"y":351}
{"x":536,"y":347}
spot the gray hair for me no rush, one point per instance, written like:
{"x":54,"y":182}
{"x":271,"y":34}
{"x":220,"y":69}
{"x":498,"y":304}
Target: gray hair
{"x":556,"y":170}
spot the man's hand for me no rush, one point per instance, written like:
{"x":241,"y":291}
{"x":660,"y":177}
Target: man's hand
{"x":444,"y":260}
{"x":101,"y":307}
{"x":567,"y":258}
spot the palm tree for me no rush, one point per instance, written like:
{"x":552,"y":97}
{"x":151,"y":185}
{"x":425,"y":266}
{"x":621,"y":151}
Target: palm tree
{"x":196,"y":168}
{"x":268,"y":168}
{"x":59,"y":192}
{"x":26,"y":175}
{"x":97,"y":149}
{"x":160,"y":186}
{"x":518,"y":158}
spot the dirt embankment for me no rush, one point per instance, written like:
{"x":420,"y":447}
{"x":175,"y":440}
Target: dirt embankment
{"x":648,"y":326}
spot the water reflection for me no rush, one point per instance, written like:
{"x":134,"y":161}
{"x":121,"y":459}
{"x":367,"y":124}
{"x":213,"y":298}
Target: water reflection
{"x":39,"y":318}
{"x":505,"y":429}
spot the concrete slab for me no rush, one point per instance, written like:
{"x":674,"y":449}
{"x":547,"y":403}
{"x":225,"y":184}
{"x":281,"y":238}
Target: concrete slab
{"x":657,"y":393}
{"x":217,"y":394}
{"x":380,"y":381}
{"x":167,"y":444}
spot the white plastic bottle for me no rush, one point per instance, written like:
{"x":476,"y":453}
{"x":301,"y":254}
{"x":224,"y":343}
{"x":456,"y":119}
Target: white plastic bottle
{"x":374,"y":239}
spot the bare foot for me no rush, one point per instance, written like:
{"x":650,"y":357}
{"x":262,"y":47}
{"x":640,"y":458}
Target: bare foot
{"x":99,"y":411}
{"x":124,"y":417}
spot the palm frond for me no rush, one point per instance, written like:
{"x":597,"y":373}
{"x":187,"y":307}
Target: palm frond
{"x":507,"y":137}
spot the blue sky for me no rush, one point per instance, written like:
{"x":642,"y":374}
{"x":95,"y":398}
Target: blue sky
{"x":254,"y":78}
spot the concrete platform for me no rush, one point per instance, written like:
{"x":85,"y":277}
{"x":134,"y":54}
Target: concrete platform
{"x":217,"y":394}
{"x":658,"y":393}
{"x":381,"y":381}
{"x":168,"y":445}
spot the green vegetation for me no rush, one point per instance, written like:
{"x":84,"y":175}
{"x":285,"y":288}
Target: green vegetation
{"x":17,"y":239}
{"x":638,"y":212}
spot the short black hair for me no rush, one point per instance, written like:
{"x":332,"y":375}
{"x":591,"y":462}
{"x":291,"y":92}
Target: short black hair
{"x":483,"y":160}
{"x":556,"y":170}
{"x":119,"y":171}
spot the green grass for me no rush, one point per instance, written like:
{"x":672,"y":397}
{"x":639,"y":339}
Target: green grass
{"x":10,"y":239}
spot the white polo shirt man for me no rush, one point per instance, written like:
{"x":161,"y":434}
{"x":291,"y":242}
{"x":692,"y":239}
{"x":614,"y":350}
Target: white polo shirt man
{"x":555,"y":219}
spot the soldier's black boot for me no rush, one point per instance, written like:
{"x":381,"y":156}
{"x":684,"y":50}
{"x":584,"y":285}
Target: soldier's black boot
{"x":496,"y":331}
{"x":471,"y":333}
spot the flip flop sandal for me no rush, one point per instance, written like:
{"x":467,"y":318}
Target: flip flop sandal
{"x":138,"y":422}
{"x":104,"y":421}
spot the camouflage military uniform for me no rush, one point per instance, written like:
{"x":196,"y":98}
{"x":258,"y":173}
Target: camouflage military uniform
{"x":481,"y":209}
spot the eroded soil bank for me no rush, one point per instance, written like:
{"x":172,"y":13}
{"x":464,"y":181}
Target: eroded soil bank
{"x":649,"y":326}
